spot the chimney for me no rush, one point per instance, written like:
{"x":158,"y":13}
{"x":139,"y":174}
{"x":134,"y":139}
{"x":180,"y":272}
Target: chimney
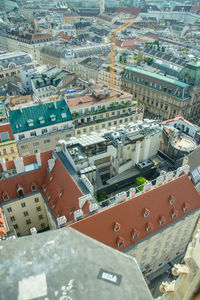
{"x":38,"y":158}
{"x":3,"y":163}
{"x":19,"y":165}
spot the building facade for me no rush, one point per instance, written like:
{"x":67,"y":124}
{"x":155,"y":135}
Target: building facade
{"x":10,"y":63}
{"x":8,"y":146}
{"x":103,"y":108}
{"x":27,"y":42}
{"x":161,"y":96}
{"x":39,"y":127}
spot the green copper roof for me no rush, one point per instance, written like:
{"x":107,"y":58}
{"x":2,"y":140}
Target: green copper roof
{"x":32,"y":117}
{"x":157,"y":76}
{"x":191,"y":73}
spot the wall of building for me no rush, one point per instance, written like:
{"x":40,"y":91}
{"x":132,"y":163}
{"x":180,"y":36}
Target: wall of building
{"x":8,"y":150}
{"x":25,"y":213}
{"x":165,"y":245}
{"x":43,"y":142}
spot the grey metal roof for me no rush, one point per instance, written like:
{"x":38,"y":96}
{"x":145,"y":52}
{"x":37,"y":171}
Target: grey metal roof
{"x":65,"y":264}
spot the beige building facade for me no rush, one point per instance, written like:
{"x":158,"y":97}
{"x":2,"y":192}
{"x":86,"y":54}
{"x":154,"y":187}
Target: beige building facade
{"x":28,"y":212}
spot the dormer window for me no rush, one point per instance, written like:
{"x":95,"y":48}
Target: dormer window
{"x":20,"y":191}
{"x":162,"y":220}
{"x":53,"y":118}
{"x":146,"y":213}
{"x":5,"y":196}
{"x":41,"y":120}
{"x":30,"y":122}
{"x":33,"y":187}
{"x":174,"y":213}
{"x":120,"y":242}
{"x":149,"y":227}
{"x":135,"y":234}
{"x":48,"y":197}
{"x":116,"y":226}
{"x":51,"y":178}
{"x":171,"y":199}
{"x":185,"y":207}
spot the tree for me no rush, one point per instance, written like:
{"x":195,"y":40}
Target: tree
{"x":140,"y":181}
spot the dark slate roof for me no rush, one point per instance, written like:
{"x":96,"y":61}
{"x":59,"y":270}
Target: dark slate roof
{"x":69,"y":265}
{"x":36,"y":116}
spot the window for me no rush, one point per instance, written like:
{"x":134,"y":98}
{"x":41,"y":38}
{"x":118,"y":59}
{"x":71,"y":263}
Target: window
{"x":33,"y":133}
{"x":33,"y":187}
{"x":5,"y":197}
{"x":116,"y":227}
{"x":46,"y":141}
{"x":9,"y":209}
{"x":172,"y":199}
{"x":135,"y":234}
{"x":12,"y":150}
{"x":38,"y":208}
{"x":36,"y":200}
{"x":15,"y":226}
{"x":51,"y":178}
{"x":25,"y":213}
{"x":23,"y":204}
{"x":24,"y":147}
{"x":4,"y":151}
{"x":43,"y":225}
{"x":44,"y":131}
{"x":21,"y":136}
{"x":12,"y":218}
{"x":120,"y":244}
{"x":109,"y":124}
{"x":28,"y":221}
{"x":148,"y":228}
{"x":146,"y":213}
{"x":36,"y":144}
{"x":40,"y":217}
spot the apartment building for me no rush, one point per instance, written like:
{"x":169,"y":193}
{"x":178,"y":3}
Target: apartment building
{"x":162,"y":96}
{"x":69,"y":58}
{"x":154,"y":224}
{"x":103,"y":108}
{"x":8,"y":146}
{"x":10,"y":63}
{"x":38,"y":128}
{"x":48,"y":84}
{"x":115,"y":151}
{"x":30,"y":42}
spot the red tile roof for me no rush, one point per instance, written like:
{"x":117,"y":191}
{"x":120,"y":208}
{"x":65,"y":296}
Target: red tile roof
{"x":176,"y":119}
{"x":130,"y":11}
{"x":63,"y":192}
{"x":6,"y":127}
{"x":129,"y":214}
{"x":62,"y":189}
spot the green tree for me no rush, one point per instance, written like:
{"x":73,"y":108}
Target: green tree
{"x":139,"y":181}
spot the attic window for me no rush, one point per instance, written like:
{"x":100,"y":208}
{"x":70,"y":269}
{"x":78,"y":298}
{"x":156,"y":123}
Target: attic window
{"x":174,"y":213}
{"x":63,"y":115}
{"x":49,"y":197}
{"x":135,"y":234}
{"x":41,"y":120}
{"x":172,"y":199}
{"x":33,"y":187}
{"x":51,"y":178}
{"x":5,"y":196}
{"x":30,"y":122}
{"x":53,"y":118}
{"x":185,"y":207}
{"x":116,"y":227}
{"x":162,"y":220}
{"x":44,"y":188}
{"x":120,"y":242}
{"x":149,"y":227}
{"x":146,"y":213}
